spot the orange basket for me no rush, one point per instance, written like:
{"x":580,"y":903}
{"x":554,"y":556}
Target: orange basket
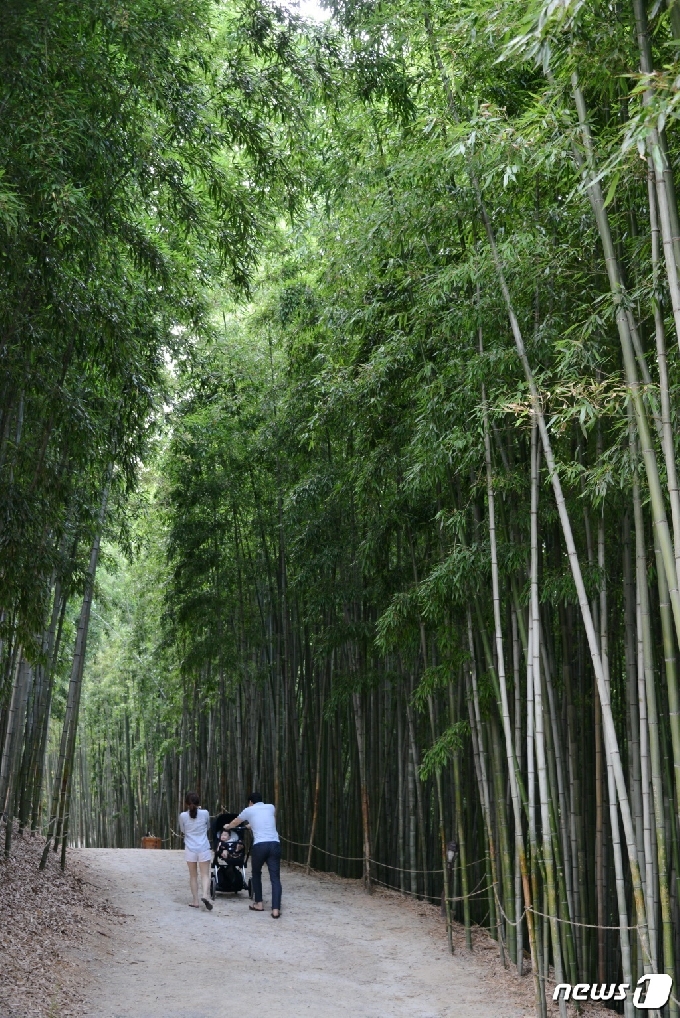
{"x":150,"y":842}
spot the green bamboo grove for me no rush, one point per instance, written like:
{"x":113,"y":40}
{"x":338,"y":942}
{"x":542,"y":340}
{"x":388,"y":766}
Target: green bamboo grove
{"x":338,"y":450}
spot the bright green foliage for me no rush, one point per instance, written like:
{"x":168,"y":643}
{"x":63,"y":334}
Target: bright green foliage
{"x":309,"y":606}
{"x":145,"y":150}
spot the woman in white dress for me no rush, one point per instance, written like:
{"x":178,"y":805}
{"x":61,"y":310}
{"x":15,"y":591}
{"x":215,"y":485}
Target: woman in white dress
{"x":193,"y":824}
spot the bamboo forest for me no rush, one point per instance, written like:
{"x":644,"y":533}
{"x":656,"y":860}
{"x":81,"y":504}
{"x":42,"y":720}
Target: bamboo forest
{"x":340,"y":374}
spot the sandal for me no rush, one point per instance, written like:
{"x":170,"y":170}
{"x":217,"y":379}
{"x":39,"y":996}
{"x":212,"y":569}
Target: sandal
{"x":208,"y":904}
{"x":254,"y":909}
{"x":191,"y":905}
{"x":276,"y":916}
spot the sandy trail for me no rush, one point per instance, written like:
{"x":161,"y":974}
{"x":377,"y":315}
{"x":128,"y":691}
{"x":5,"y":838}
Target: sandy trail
{"x":334,"y":952}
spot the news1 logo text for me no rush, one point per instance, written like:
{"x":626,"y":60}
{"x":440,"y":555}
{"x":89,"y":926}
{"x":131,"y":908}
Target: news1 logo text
{"x":651,"y":991}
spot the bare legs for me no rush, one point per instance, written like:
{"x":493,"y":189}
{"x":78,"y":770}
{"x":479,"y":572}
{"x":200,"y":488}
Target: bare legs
{"x":205,"y":879}
{"x":193,"y":881}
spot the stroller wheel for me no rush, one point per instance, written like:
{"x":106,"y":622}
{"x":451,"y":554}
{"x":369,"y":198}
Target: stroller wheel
{"x":212,"y":888}
{"x":250,"y":888}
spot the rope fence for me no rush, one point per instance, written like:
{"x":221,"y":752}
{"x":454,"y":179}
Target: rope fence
{"x":544,"y":915}
{"x":334,"y":855}
{"x":477,"y":892}
{"x":376,"y":862}
{"x":414,"y":894}
{"x":472,"y":894}
{"x":429,"y":897}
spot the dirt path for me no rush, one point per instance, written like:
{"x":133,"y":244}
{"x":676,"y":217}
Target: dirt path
{"x":335,"y":952}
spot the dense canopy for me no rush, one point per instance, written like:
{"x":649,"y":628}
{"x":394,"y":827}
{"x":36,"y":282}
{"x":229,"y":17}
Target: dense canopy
{"x":338,"y":455}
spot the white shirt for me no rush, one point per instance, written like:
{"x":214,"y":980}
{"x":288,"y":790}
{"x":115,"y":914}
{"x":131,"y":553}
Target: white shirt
{"x":262,"y":820}
{"x":195,"y":831}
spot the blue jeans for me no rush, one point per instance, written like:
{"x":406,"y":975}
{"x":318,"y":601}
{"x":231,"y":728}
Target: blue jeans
{"x":267,"y":852}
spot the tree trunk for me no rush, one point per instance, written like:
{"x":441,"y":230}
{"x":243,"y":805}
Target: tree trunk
{"x":68,"y":737}
{"x":363,"y":783}
{"x":12,"y":731}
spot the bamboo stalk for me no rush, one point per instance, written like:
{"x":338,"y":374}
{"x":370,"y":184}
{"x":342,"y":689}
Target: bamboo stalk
{"x":460,"y":832}
{"x":365,"y":821}
{"x":611,"y":741}
{"x":317,"y":782}
{"x":484,"y":792}
{"x":61,"y":793}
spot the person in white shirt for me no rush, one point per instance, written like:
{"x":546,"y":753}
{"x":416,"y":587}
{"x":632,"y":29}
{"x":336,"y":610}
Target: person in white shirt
{"x":261,"y":816}
{"x":193,"y":824}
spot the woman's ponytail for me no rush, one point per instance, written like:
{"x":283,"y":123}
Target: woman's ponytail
{"x":192,"y":802}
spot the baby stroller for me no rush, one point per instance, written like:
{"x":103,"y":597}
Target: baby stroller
{"x":228,"y":871}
